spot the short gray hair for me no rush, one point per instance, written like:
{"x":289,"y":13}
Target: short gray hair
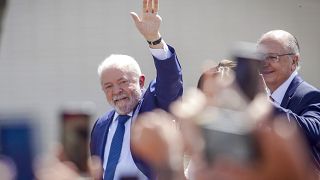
{"x":120,"y":61}
{"x":290,"y":40}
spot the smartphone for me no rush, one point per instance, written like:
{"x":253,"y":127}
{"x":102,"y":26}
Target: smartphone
{"x":247,"y":74}
{"x":17,"y":146}
{"x":75,"y":137}
{"x":227,"y":131}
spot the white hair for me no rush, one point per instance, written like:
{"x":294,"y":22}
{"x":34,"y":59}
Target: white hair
{"x":120,"y":61}
{"x":290,"y":41}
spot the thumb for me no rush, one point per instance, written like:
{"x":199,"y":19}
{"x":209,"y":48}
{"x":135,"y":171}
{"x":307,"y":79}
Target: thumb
{"x":135,"y":17}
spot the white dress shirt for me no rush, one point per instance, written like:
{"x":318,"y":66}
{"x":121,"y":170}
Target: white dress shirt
{"x":126,"y":165}
{"x":279,"y":93}
{"x":161,"y":54}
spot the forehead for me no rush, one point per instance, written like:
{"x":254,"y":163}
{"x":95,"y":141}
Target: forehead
{"x":272,"y":45}
{"x":114,"y":74}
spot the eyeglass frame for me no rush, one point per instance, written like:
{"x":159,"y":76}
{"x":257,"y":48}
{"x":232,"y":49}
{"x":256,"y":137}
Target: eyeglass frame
{"x":275,"y":58}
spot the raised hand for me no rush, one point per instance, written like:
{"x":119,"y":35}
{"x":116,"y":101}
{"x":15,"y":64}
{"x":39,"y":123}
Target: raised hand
{"x":149,"y":22}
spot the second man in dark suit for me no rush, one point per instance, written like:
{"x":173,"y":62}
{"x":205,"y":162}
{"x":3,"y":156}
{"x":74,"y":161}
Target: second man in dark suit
{"x":291,"y":95}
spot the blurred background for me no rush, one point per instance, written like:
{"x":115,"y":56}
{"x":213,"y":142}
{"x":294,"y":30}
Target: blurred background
{"x":50,"y":49}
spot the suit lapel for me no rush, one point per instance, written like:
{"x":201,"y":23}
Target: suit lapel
{"x":104,"y":130}
{"x":290,"y":91}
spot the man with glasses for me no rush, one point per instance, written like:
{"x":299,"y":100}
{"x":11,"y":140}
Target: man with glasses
{"x":292,"y":96}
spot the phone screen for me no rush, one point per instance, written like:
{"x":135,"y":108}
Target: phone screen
{"x":247,"y":76}
{"x":229,"y":129}
{"x":247,"y":70}
{"x":75,"y":138}
{"x":227,"y":134}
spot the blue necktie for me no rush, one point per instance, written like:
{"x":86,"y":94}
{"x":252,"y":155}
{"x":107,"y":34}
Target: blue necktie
{"x":115,"y":148}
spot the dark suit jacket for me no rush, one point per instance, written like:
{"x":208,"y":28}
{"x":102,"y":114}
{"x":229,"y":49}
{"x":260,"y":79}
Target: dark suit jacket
{"x":161,"y":92}
{"x":301,"y":104}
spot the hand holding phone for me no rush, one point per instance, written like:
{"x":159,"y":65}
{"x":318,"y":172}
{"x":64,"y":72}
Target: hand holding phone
{"x":227,"y":130}
{"x":75,"y":134}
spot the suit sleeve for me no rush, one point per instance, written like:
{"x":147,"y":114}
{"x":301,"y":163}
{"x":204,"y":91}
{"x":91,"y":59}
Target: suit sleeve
{"x":308,"y":117}
{"x":168,"y":85}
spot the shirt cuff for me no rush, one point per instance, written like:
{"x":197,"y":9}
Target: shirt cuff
{"x":161,"y":54}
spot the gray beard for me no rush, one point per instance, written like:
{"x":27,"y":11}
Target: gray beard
{"x":133,"y":101}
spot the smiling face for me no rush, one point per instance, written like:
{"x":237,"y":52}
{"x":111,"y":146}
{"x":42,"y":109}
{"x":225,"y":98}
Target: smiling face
{"x":122,"y":88}
{"x":277,"y":72}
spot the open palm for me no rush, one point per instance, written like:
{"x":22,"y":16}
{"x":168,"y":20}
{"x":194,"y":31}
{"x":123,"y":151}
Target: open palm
{"x":149,"y":22}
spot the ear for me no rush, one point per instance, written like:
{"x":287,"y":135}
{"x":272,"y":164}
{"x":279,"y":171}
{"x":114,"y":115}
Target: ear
{"x":295,"y":62}
{"x":141,"y":80}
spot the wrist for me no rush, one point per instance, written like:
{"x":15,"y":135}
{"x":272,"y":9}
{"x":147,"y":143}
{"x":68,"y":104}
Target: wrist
{"x":155,"y":42}
{"x":153,"y":37}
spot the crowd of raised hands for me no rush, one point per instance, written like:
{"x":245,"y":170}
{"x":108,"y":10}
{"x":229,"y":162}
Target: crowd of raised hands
{"x":175,"y":146}
{"x":164,"y":140}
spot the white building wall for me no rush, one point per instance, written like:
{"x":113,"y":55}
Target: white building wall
{"x":50,"y":49}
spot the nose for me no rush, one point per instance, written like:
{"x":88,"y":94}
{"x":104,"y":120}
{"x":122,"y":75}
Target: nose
{"x":116,"y":89}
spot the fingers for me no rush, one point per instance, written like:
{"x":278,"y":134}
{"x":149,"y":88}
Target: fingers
{"x":147,"y":6}
{"x":135,"y":17}
{"x":155,"y":6}
{"x":144,"y":8}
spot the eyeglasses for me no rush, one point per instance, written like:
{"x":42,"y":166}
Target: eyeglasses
{"x":274,"y":58}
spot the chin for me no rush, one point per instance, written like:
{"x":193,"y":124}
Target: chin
{"x":268,"y":77}
{"x":123,"y":110}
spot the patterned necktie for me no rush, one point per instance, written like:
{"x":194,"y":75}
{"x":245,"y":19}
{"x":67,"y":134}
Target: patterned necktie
{"x":115,"y":148}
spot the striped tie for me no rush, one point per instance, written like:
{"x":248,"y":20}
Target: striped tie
{"x":115,"y":149}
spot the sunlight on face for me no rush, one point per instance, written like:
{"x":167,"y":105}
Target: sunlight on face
{"x":126,"y":102}
{"x":122,"y":89}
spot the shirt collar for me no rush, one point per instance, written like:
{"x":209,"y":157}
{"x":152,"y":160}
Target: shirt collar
{"x":279,"y":93}
{"x":133,"y":112}
{"x":116,"y":115}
